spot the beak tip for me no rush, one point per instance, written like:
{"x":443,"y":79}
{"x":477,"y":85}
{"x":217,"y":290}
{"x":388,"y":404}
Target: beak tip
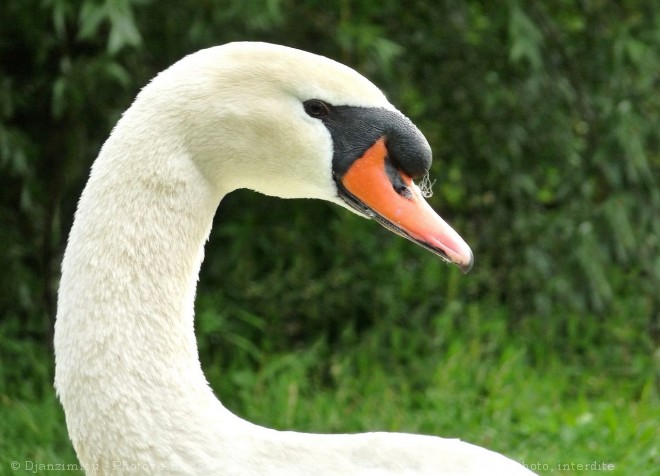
{"x":467,"y":266}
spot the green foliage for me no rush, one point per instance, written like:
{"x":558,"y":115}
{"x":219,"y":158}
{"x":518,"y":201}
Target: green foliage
{"x":557,"y":398}
{"x":543,"y":120}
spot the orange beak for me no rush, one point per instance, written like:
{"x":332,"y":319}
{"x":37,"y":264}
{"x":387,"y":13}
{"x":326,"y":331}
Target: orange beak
{"x":405,"y":211}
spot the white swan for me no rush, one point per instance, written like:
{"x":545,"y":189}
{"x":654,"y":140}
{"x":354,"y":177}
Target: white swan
{"x":244,"y":115}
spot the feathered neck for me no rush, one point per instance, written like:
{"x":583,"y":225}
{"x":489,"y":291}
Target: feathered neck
{"x":124,"y":338}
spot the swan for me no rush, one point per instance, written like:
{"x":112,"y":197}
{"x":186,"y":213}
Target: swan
{"x":273,"y":119}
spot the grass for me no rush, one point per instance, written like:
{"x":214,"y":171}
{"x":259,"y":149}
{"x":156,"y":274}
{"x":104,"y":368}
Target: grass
{"x":551,"y":398}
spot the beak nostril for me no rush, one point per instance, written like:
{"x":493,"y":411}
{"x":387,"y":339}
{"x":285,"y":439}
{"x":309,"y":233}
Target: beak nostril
{"x":399,"y":179}
{"x":404,"y":191}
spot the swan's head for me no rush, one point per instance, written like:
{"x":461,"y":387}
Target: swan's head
{"x":296,"y":125}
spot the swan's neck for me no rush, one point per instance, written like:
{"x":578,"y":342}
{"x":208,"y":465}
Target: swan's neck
{"x":125,"y":347}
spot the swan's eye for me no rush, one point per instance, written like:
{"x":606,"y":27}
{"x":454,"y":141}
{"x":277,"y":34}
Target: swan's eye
{"x":316,"y":108}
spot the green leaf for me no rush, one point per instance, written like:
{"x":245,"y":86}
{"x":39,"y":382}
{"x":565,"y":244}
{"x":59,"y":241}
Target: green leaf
{"x":90,"y":18}
{"x":123,"y":31}
{"x":58,"y":97}
{"x":525,"y":38}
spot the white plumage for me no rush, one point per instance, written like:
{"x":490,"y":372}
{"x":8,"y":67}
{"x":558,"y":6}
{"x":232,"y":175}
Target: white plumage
{"x":127,"y":368}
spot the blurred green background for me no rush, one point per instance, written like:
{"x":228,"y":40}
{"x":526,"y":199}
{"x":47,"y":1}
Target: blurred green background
{"x":544,"y":121}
